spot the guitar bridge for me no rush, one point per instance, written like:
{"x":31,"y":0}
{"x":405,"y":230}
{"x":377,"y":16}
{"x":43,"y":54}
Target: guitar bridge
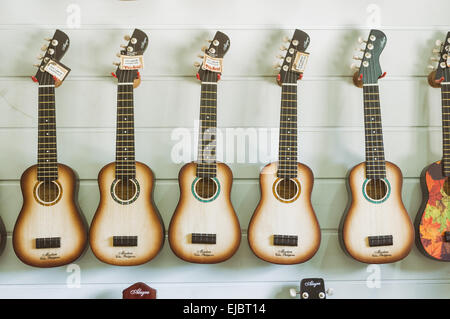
{"x":285,"y":240}
{"x":447,"y":236}
{"x":375,"y":241}
{"x":48,"y":242}
{"x":203,"y":238}
{"x":125,"y":241}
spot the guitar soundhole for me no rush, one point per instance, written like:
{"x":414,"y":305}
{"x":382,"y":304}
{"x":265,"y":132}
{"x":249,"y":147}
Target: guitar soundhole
{"x":287,"y":189}
{"x":47,"y":192}
{"x":446,"y":187}
{"x":125,"y":190}
{"x":376,"y":189}
{"x":206,"y":188}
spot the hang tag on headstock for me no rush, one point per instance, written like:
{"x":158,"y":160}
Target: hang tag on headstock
{"x":212,"y":64}
{"x":57,"y":69}
{"x":299,"y":63}
{"x":135,"y":62}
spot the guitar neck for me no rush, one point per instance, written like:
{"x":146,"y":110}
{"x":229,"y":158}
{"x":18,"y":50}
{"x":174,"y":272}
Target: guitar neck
{"x":375,"y":162}
{"x":287,"y":154}
{"x":445,"y":99}
{"x":47,"y":166}
{"x":206,"y":157}
{"x":125,"y":161}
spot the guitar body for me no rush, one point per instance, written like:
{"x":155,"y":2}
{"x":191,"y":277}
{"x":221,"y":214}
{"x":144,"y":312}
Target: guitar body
{"x":139,"y":218}
{"x":384,"y":217}
{"x":62,"y":219}
{"x":433,"y":218}
{"x":274,"y":216}
{"x":194,"y":216}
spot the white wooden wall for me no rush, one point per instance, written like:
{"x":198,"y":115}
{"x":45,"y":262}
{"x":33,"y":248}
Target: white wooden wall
{"x":331,"y":128}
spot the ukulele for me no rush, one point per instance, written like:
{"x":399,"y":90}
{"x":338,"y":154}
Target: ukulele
{"x":127,"y":228}
{"x":50,"y":230}
{"x":376,"y":227}
{"x":284,"y":228}
{"x":204,"y":227}
{"x":433,"y":218}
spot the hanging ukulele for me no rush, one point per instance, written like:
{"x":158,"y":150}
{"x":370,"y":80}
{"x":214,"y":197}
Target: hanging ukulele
{"x":127,"y":229}
{"x":284,"y":227}
{"x":376,"y":228}
{"x":50,"y":230}
{"x":433,"y":218}
{"x":204,"y":227}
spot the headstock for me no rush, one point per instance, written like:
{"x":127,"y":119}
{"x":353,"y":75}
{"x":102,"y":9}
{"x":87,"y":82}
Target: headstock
{"x":293,"y":64}
{"x":211,"y":67}
{"x":369,"y":71}
{"x":441,"y":72}
{"x":312,"y":288}
{"x":136,"y":46}
{"x":55,"y":50}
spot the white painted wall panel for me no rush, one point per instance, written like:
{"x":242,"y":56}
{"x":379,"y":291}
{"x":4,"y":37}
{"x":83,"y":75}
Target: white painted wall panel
{"x":331,"y":128}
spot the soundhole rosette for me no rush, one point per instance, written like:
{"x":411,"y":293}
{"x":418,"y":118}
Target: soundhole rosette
{"x":47,"y":193}
{"x":286,"y":190}
{"x":125,"y":192}
{"x":376,"y":190}
{"x":205,"y":189}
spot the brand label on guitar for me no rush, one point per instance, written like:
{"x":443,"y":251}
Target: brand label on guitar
{"x":212,"y":64}
{"x":57,"y":69}
{"x":124,"y":254}
{"x":381,"y":253}
{"x":49,"y":256}
{"x":300,"y":60}
{"x":131,"y":62}
{"x":284,"y":253}
{"x":204,"y":253}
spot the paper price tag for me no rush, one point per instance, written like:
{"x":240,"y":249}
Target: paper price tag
{"x":57,"y":69}
{"x":212,"y":64}
{"x":131,"y":62}
{"x":300,"y":60}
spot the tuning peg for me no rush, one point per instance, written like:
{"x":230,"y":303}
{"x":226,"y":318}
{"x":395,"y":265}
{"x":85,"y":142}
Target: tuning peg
{"x":44,"y":48}
{"x":118,"y":55}
{"x":277,"y":66}
{"x":286,"y":39}
{"x":209,"y":41}
{"x":201,"y":56}
{"x":123,"y":46}
{"x":361,"y":40}
{"x":126,"y":37}
{"x":431,"y":67}
{"x":197,"y":64}
{"x":204,"y":48}
{"x":436,"y":51}
{"x":438,"y":43}
{"x":48,"y":39}
{"x":116,"y":63}
{"x":36,"y":65}
{"x":40,"y":57}
{"x":355,"y":57}
{"x":293,"y":292}
{"x":354,"y":66}
{"x":283,"y":48}
{"x":434,"y":59}
{"x":279,"y":56}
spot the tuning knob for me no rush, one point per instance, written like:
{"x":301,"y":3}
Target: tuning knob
{"x":283,"y":48}
{"x":126,"y":37}
{"x":36,"y":65}
{"x":118,"y":55}
{"x":286,"y":39}
{"x":123,"y":46}
{"x":204,"y":48}
{"x":436,"y":51}
{"x":44,"y":48}
{"x":40,"y":57}
{"x":279,"y":56}
{"x":438,"y":43}
{"x":197,"y":64}
{"x":116,"y":63}
{"x":354,"y":66}
{"x":434,"y":59}
{"x":277,"y":66}
{"x":293,"y":292}
{"x":201,"y":56}
{"x":361,"y":40}
{"x":431,"y":67}
{"x":209,"y":41}
{"x":48,"y":39}
{"x":355,"y":57}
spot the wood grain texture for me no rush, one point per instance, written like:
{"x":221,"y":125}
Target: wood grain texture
{"x":214,"y":217}
{"x":364,"y":219}
{"x":140,"y":218}
{"x":272,"y":216}
{"x":63,"y":219}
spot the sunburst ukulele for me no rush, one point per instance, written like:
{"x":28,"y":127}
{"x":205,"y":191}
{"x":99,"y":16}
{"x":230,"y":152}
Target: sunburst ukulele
{"x":433,"y":218}
{"x":376,"y":228}
{"x":204,"y":227}
{"x":284,"y":228}
{"x":127,"y":229}
{"x":50,"y":229}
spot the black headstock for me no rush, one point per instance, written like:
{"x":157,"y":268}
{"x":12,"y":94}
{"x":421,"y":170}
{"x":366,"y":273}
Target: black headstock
{"x":312,"y":288}
{"x":370,"y":70}
{"x":217,"y":49}
{"x":136,"y":46}
{"x":295,"y":58}
{"x":442,"y":70}
{"x":55,"y":50}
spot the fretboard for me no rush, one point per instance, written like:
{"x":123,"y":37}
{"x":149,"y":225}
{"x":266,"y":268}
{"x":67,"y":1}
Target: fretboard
{"x":206,"y":157}
{"x":125,"y":161}
{"x":47,"y":167}
{"x":375,"y":163}
{"x":287,"y":147}
{"x":445,"y":97}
